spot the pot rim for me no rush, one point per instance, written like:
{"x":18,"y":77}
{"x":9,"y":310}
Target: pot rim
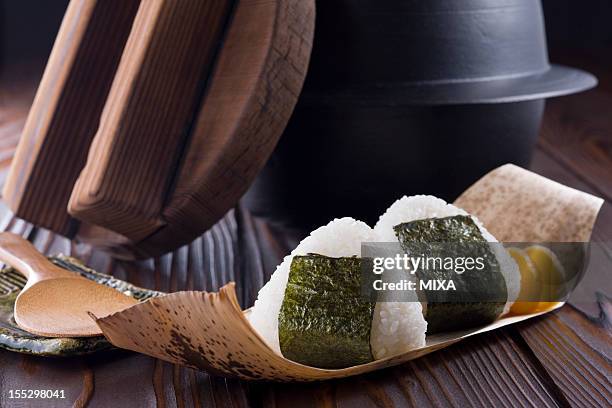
{"x":558,"y":80}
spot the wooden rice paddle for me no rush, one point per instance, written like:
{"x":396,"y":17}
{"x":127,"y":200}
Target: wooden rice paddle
{"x":55,"y":302}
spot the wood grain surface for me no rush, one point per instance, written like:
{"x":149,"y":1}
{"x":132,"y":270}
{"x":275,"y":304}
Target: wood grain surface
{"x":155,"y":94}
{"x":66,"y":112}
{"x":155,"y":178}
{"x":562,"y":359}
{"x":250,"y":97}
{"x":154,"y":108}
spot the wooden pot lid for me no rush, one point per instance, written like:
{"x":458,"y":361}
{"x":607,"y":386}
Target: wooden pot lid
{"x":198,"y":101}
{"x":66,"y":111}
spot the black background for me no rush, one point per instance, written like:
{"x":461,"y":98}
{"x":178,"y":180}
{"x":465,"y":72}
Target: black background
{"x":582,"y":29}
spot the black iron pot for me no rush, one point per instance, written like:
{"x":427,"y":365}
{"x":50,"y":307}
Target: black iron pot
{"x":410,"y":97}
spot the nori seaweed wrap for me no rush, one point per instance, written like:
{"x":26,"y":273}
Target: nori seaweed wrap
{"x":324,"y":320}
{"x":480,"y":295}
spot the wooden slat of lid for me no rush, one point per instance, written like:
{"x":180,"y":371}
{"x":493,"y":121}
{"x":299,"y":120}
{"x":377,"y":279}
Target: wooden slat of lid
{"x":66,"y":111}
{"x":252,"y":93}
{"x":146,"y":120}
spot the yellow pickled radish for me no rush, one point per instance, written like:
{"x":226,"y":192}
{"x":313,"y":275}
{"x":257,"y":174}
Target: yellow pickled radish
{"x":549,"y":277}
{"x":528,"y":283}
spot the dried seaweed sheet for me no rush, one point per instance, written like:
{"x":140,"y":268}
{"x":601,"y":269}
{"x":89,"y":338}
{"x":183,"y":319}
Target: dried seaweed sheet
{"x":480,"y":295}
{"x":324,"y":321}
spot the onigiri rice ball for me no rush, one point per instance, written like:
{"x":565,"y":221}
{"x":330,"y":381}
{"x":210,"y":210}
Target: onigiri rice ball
{"x":396,"y":327}
{"x":418,"y":207}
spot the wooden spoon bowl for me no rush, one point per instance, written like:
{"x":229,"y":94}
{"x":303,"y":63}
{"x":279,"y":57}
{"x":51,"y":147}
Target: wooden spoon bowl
{"x":56,"y":302}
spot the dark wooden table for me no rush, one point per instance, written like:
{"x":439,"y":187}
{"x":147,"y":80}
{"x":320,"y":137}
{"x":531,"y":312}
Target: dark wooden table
{"x":562,"y":359}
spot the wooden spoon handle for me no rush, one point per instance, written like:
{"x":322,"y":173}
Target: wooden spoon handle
{"x":21,"y":255}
